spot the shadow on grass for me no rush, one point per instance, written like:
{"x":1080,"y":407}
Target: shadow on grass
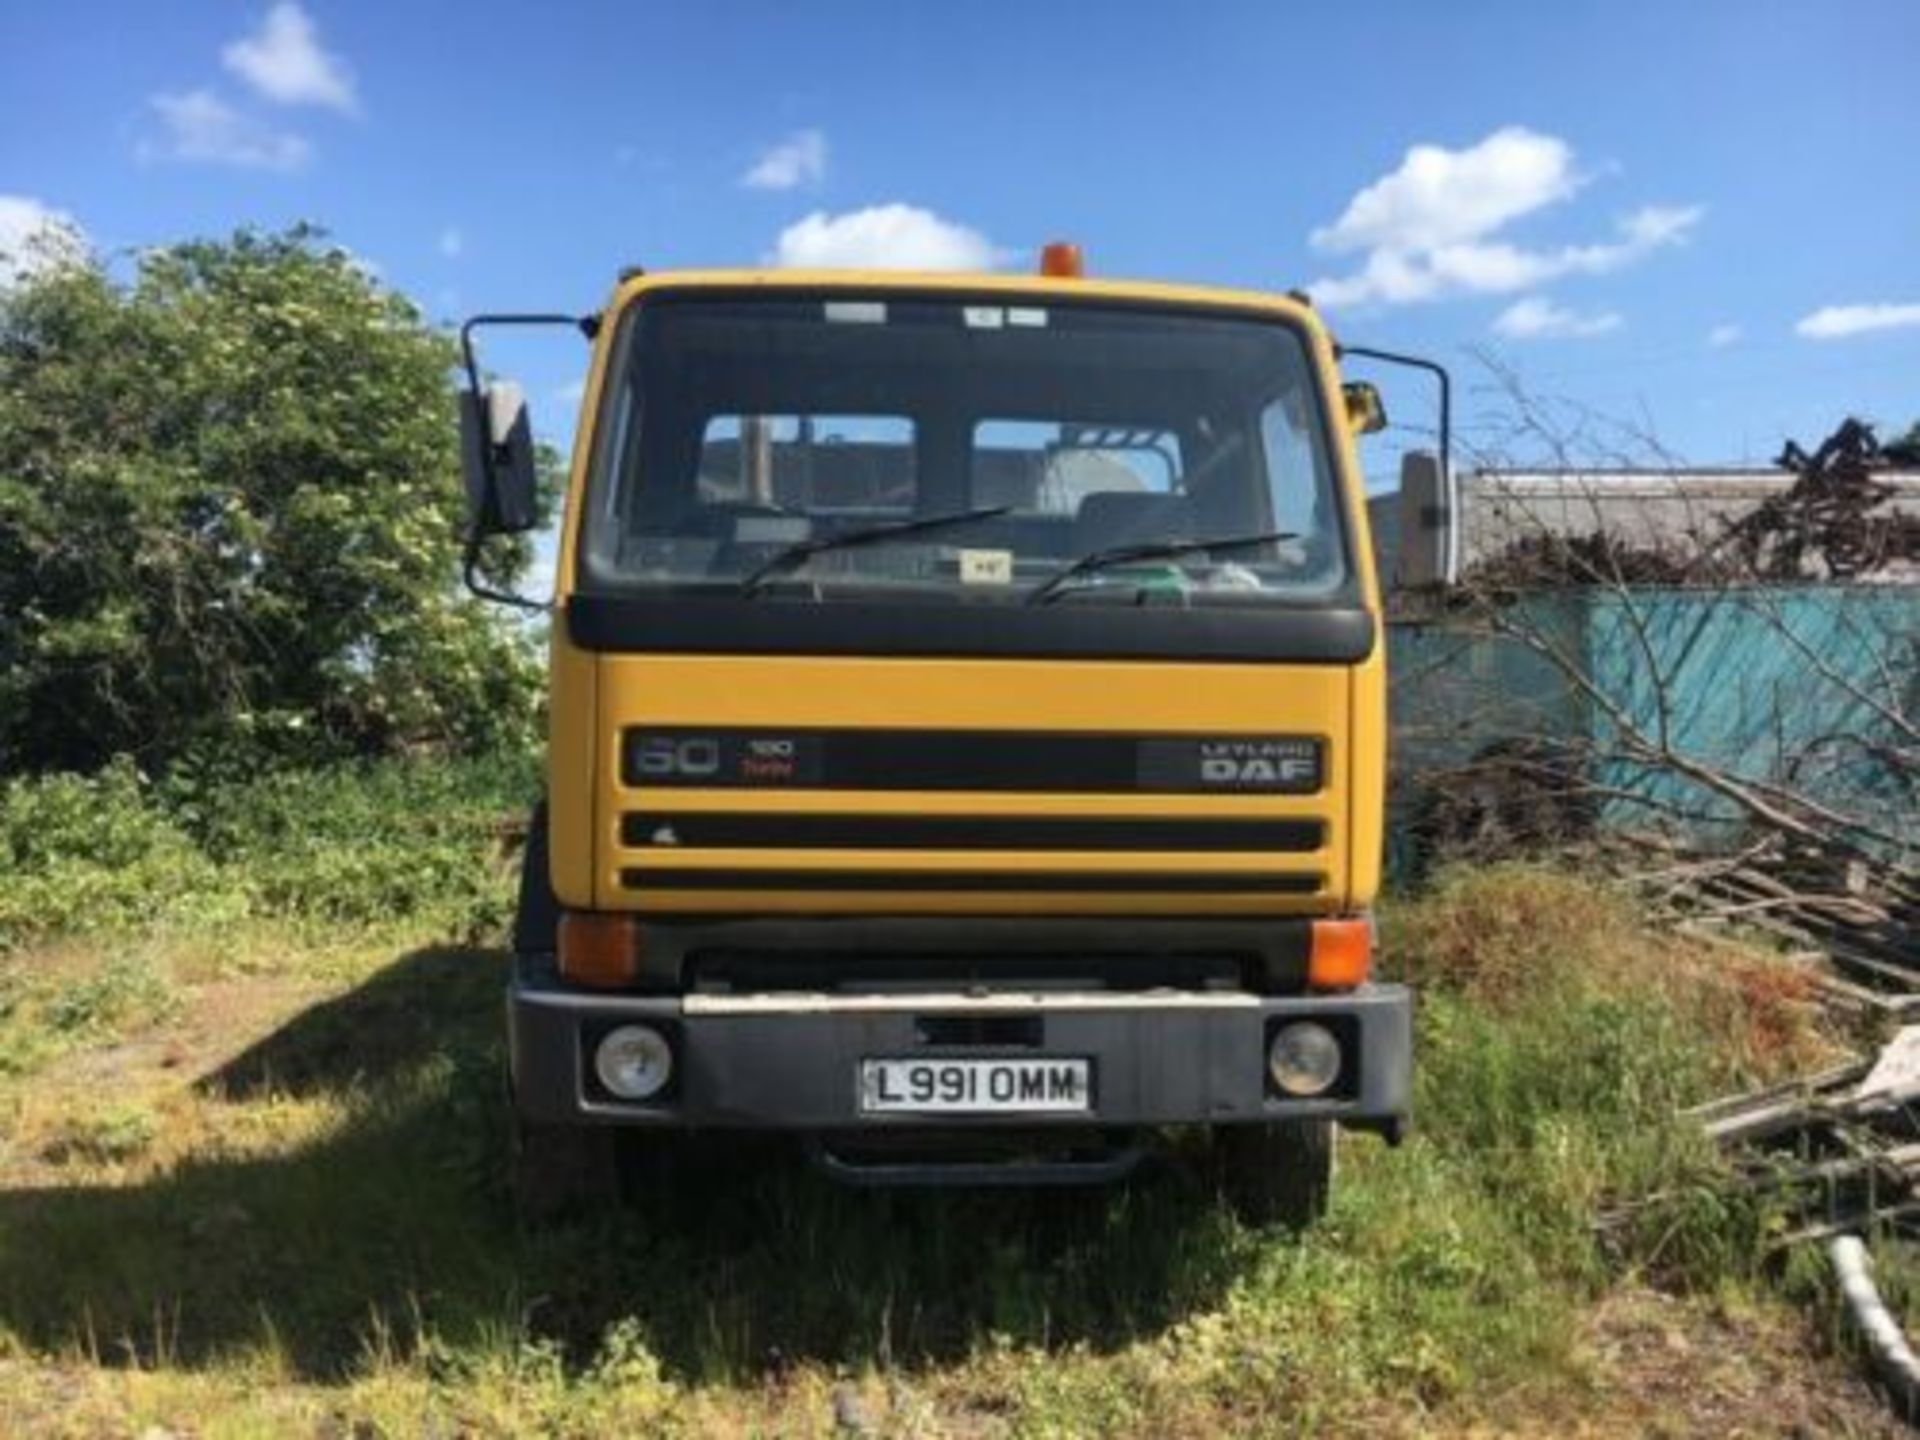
{"x":396,"y":1224}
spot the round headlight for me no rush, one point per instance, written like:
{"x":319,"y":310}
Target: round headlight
{"x":634,"y":1062}
{"x":1304,"y":1058}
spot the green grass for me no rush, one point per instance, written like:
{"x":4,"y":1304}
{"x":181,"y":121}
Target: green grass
{"x":311,"y":1221}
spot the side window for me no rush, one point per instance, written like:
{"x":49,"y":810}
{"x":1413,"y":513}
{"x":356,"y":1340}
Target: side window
{"x":1293,"y":462}
{"x":808,"y":463}
{"x":1049,"y":468}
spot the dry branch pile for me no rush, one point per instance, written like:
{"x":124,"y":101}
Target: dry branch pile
{"x":1861,"y":914}
{"x":1833,"y":523}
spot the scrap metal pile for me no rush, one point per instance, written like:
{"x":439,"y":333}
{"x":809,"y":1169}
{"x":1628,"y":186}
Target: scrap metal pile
{"x":1838,"y":1152}
{"x":1834,"y":521}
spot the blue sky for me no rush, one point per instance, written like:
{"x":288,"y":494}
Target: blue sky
{"x":1701,"y":216}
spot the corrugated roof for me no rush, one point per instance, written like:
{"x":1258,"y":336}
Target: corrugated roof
{"x":1674,"y":511}
{"x":1654,"y":509}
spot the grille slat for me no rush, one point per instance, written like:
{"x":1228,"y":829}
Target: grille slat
{"x":764,"y":831}
{"x":964,"y":881}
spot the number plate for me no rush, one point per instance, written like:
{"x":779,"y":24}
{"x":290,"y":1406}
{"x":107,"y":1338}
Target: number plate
{"x":976,"y":1087}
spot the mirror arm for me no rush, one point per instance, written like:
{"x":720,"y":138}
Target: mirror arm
{"x":587,"y":325}
{"x":1417,"y":362}
{"x":1439,"y":372}
{"x":470,"y":571}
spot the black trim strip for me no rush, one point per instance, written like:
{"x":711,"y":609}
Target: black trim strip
{"x":700,"y":623}
{"x":1047,"y":762}
{"x":1215,"y":883}
{"x":759,"y":830}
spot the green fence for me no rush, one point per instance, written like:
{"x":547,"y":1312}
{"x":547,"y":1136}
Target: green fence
{"x":1815,"y":688}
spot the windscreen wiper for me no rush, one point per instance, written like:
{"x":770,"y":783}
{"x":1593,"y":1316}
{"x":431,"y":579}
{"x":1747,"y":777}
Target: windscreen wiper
{"x":1147,"y":550}
{"x":794,"y":556}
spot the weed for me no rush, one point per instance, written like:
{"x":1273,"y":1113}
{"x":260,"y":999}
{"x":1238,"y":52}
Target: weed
{"x":111,"y":1136}
{"x":124,"y":987}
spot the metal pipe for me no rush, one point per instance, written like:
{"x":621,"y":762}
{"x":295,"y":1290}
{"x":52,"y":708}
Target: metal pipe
{"x":1892,"y":1356}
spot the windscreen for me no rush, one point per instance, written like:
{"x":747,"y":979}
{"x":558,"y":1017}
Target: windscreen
{"x":777,"y":443}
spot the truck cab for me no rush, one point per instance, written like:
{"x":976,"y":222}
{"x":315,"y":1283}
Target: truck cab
{"x":967,"y":735}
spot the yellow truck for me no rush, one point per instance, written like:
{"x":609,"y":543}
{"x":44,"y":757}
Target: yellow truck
{"x":967,"y":734}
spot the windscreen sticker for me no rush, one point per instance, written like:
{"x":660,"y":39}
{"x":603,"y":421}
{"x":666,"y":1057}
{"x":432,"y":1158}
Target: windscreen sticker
{"x":986,"y":567}
{"x":1027,"y":315}
{"x":857,"y":312}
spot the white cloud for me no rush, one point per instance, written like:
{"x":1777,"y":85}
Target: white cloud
{"x":1440,"y":197}
{"x":283,"y":61}
{"x":1721,"y":336}
{"x":35,"y":237}
{"x":1839,"y":322}
{"x":800,"y":159}
{"x":569,"y":395}
{"x":200,"y":126}
{"x":1430,"y":227}
{"x":452,"y":243}
{"x":1538,"y":318}
{"x":882,"y":237}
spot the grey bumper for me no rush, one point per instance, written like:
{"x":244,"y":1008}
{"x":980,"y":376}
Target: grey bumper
{"x":791,"y":1061}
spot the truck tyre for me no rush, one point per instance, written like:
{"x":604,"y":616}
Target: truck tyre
{"x":561,"y":1172}
{"x":1276,"y":1173}
{"x":558,"y":1171}
{"x":536,"y":915}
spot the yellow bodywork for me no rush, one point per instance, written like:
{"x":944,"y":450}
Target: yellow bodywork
{"x":595,"y":697}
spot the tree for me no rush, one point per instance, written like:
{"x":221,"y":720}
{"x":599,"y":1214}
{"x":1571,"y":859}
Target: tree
{"x":230,"y":513}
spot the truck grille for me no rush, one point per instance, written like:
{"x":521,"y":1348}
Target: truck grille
{"x":733,"y":817}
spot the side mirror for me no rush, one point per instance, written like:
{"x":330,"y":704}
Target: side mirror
{"x":1427,"y":558}
{"x":496,"y":452}
{"x":1366,"y":411}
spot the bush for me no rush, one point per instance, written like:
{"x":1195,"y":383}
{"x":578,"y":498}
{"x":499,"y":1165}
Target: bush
{"x":92,"y":853}
{"x":414,"y":842}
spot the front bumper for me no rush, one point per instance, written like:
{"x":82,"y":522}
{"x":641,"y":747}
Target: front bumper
{"x":790,"y":1061}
